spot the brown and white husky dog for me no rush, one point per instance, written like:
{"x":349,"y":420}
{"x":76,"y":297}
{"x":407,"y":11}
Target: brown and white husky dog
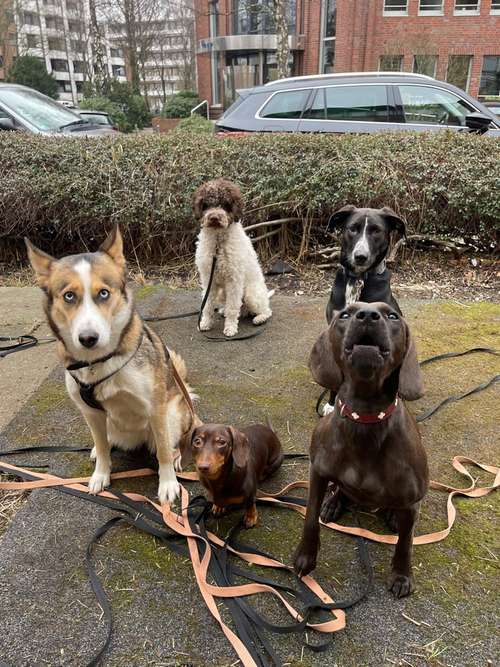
{"x":118,"y":372}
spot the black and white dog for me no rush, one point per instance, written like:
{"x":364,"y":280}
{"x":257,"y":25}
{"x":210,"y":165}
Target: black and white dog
{"x":363,"y":275}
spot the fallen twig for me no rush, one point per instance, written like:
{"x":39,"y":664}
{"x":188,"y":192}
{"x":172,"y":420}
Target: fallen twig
{"x":272,"y":223}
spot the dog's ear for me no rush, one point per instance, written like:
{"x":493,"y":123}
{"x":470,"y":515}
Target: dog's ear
{"x":236,"y":203}
{"x":322,"y":364}
{"x":339,"y":218}
{"x":241,"y":447}
{"x":411,"y":384}
{"x":393,"y":220}
{"x":113,"y":246}
{"x":197,"y":203}
{"x":41,"y":263}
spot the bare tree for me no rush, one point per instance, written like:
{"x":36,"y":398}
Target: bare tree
{"x":282,"y":48}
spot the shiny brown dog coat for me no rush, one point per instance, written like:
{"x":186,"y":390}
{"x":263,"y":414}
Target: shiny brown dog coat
{"x":231,"y":463}
{"x":368,"y":358}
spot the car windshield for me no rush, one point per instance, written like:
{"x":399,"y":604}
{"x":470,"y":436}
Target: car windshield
{"x":36,"y":109}
{"x":96,"y":118}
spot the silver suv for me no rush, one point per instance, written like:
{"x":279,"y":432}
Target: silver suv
{"x":25,"y":109}
{"x":359,"y":102}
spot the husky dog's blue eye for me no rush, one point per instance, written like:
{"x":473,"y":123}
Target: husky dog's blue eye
{"x":344,"y":316}
{"x":392,"y":316}
{"x":69,"y":297}
{"x":104,"y":294}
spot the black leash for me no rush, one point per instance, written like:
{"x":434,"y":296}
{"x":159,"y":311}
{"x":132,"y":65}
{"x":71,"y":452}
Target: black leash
{"x":451,"y":399}
{"x":23,"y":342}
{"x":249,"y":624}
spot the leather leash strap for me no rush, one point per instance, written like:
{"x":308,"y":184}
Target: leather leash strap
{"x":297,"y":504}
{"x":180,"y":525}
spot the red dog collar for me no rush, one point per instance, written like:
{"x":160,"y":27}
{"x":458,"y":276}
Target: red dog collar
{"x":370,"y":418}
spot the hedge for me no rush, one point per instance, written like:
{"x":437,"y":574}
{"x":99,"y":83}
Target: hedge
{"x":66,"y":193}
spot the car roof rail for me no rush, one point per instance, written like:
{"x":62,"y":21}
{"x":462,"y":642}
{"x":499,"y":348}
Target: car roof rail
{"x":314,"y":77}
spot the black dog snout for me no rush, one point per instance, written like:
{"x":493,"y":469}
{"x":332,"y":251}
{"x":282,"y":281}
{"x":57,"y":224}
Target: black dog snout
{"x":367,"y":314}
{"x":360,"y":259}
{"x":88,"y":340}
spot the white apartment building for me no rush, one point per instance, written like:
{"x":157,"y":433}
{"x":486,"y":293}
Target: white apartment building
{"x":57,"y":32}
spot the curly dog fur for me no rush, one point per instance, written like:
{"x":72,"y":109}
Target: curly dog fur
{"x":238,"y":278}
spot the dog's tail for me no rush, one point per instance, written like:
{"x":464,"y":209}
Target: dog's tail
{"x":179,"y":363}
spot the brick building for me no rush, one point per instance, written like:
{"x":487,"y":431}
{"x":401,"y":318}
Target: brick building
{"x":454,"y":40}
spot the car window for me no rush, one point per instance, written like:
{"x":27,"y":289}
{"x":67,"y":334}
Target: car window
{"x":433,"y":106}
{"x":363,"y":103}
{"x":317,"y":110}
{"x":31,"y":106}
{"x":97,"y":119}
{"x":288,"y":104}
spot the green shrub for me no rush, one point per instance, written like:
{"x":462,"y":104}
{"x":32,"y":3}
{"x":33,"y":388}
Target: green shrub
{"x":66,"y":193}
{"x":104,"y":104}
{"x":130,"y":109}
{"x":180,"y":105}
{"x":31,"y":71}
{"x":197,"y":124}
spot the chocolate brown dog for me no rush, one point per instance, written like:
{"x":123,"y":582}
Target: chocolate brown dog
{"x":370,"y":445}
{"x":231,"y":463}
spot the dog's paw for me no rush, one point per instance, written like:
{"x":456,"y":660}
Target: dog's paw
{"x":250,"y":518}
{"x":230,"y":330}
{"x":206,"y":323}
{"x":304,"y":560}
{"x":400,"y":585}
{"x":217,"y":510}
{"x":93,"y":454}
{"x":261,"y":318}
{"x":168,"y":490}
{"x":98,"y":482}
{"x":333,"y":506}
{"x":328,"y":409}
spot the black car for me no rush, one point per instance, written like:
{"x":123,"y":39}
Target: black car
{"x":357,"y":102}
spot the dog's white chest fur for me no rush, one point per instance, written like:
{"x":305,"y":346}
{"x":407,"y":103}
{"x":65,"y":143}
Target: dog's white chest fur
{"x":353,"y":290}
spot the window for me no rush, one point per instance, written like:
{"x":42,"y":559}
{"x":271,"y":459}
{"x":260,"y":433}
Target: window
{"x":72,"y":6}
{"x":55,"y":44}
{"x":430,"y":7}
{"x":424,"y":64}
{"x":78,"y":66}
{"x":257,"y":17}
{"x":362,"y":103}
{"x":29,"y":18}
{"x":64,"y":86}
{"x":116,"y":53}
{"x":390,"y":63}
{"x":75,"y":26}
{"x":329,"y":29}
{"x":118,"y":70}
{"x":395,"y":7}
{"x":495,"y":6}
{"x":433,"y":106}
{"x":79,"y":86}
{"x":458,"y":72}
{"x":54,"y":23}
{"x":59,"y":65}
{"x":78,"y":46}
{"x":490,"y":76}
{"x":288,"y":104}
{"x":32,"y":41}
{"x":467,"y":7}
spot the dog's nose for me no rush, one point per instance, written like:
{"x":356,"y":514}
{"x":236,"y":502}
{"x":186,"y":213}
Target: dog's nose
{"x":368,"y":314}
{"x":203,"y":467}
{"x":360,"y":258}
{"x":88,"y":339}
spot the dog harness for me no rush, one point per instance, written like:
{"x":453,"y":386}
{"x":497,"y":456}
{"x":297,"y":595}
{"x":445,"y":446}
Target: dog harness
{"x":87,"y":388}
{"x":367,"y":418}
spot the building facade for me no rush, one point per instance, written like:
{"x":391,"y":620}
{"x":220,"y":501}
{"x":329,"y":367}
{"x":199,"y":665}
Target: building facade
{"x":57,"y":32}
{"x":453,"y":40}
